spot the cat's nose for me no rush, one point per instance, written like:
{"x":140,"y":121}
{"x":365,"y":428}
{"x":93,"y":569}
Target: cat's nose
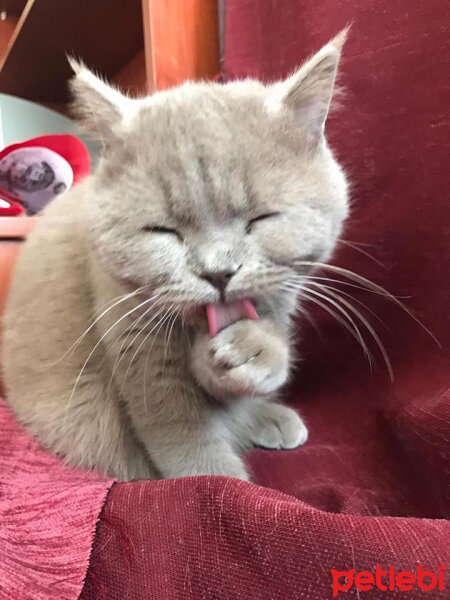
{"x":220,"y":279}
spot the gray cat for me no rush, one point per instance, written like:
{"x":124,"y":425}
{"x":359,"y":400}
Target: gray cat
{"x":148,"y":326}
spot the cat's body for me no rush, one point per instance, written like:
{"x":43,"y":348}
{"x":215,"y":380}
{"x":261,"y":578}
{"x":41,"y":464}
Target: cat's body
{"x":206,"y":194}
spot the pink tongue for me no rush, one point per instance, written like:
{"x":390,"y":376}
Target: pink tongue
{"x":221,"y":315}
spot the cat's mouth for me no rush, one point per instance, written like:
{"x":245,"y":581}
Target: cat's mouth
{"x":222,"y":314}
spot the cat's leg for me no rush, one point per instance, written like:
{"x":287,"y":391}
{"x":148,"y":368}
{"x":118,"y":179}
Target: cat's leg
{"x":185,"y":438}
{"x":85,"y":425}
{"x":183,"y":432}
{"x":94,"y":430}
{"x":250,"y":358}
{"x":266,"y":424}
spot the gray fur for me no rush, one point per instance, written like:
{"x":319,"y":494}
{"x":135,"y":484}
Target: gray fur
{"x":143,"y":390}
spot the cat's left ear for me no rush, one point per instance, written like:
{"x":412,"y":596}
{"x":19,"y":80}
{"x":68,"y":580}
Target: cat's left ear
{"x":309,"y":90}
{"x":101,"y":109}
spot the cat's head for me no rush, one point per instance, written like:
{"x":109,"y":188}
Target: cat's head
{"x":210,"y":191}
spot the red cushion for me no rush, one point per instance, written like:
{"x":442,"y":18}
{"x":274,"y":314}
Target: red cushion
{"x":376,"y":449}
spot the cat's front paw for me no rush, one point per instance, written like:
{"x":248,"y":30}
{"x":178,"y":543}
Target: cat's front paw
{"x":277,"y":427}
{"x":245,"y":359}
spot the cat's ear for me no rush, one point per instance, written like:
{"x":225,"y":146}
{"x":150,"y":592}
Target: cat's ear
{"x":309,"y":90}
{"x":101,"y":109}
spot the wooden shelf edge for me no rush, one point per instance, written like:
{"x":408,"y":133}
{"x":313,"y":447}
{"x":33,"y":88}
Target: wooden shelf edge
{"x":174,"y":53}
{"x":16,"y":227}
{"x":106,"y":34}
{"x":20,"y":23}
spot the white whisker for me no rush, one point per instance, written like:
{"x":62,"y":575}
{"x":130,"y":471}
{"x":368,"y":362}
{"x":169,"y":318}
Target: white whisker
{"x":347,"y":316}
{"x":119,"y":300}
{"x":335,"y":298}
{"x":311,"y":280}
{"x":166,"y":314}
{"x":301,"y":278}
{"x":149,"y":352}
{"x":304,"y":313}
{"x":370,"y":329}
{"x":371,"y":286}
{"x":339,"y":319}
{"x":120,"y":355}
{"x":355,"y":247}
{"x":167,"y":342}
{"x":100,"y":341}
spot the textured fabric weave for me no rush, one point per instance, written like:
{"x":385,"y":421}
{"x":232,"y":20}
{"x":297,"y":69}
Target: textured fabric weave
{"x":48,"y":514}
{"x":218,"y":538}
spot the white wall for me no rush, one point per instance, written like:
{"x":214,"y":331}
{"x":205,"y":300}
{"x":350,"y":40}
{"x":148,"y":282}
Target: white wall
{"x":22,"y":120}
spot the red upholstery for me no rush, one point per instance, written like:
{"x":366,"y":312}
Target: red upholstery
{"x":376,"y":449}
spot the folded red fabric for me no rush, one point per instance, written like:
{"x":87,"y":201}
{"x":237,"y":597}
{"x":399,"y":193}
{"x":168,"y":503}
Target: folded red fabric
{"x":48,"y":514}
{"x":220,"y":538}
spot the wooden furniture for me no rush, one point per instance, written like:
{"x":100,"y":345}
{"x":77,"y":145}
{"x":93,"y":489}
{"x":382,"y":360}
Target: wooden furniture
{"x":13,"y":230}
{"x":181,"y":41}
{"x":143,"y":45}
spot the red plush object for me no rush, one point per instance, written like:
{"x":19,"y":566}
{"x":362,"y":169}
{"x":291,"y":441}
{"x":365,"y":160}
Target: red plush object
{"x":67,"y":146}
{"x":10,"y":205}
{"x":37,"y":170}
{"x":372,"y":485}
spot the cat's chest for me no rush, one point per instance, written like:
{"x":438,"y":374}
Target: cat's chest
{"x":151,"y":350}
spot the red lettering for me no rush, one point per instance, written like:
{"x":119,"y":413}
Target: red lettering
{"x":342,"y":587}
{"x":405,"y":581}
{"x":426,"y":587}
{"x":391,"y":578}
{"x":379,"y":573}
{"x":441,"y":577}
{"x":364,"y":581}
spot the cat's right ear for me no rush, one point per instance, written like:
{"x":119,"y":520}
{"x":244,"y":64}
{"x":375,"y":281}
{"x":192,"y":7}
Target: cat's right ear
{"x":101,"y":109}
{"x":308,"y":92}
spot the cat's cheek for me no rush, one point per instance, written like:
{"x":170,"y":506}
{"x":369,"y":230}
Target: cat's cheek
{"x":156,"y":261}
{"x":280,"y":249}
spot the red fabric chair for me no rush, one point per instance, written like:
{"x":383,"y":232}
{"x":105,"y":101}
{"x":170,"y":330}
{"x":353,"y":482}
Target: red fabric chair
{"x":371,"y":486}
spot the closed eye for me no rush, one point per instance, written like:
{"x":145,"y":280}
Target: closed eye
{"x":260,"y":218}
{"x":161,"y":229}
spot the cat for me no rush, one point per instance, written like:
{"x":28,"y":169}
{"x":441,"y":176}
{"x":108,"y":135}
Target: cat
{"x":206,"y":196}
